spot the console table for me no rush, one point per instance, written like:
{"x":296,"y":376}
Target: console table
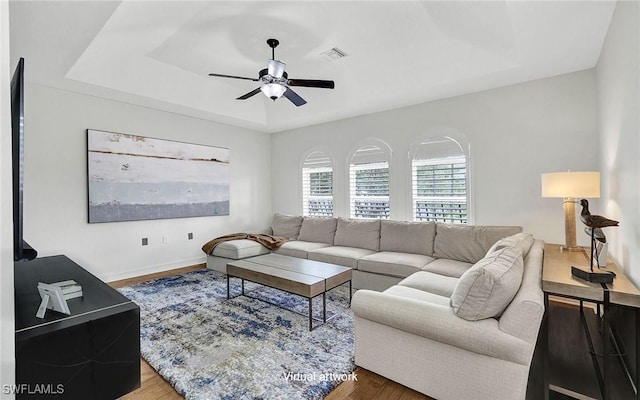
{"x":558,"y":281}
{"x":94,"y":353}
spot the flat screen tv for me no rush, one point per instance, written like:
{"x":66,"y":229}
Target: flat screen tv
{"x":21,"y":249}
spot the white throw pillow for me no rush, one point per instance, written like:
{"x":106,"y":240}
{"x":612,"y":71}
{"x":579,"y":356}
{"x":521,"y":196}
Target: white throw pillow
{"x":487,"y":288}
{"x":521,"y":241}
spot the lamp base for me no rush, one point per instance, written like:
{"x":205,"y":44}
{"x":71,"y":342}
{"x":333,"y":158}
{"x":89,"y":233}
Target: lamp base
{"x":570,"y":248}
{"x":597,"y":277}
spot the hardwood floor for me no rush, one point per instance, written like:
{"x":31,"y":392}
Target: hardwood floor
{"x":153,"y":386}
{"x":369,"y":386}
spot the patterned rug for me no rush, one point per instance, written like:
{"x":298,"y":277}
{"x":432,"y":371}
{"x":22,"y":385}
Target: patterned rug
{"x":209,"y":347}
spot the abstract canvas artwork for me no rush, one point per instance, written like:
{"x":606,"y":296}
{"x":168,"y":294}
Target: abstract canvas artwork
{"x":138,"y":178}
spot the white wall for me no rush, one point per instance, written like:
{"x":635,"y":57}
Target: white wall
{"x":7,"y":330}
{"x":55,"y":196}
{"x":618,"y":85}
{"x":515,"y":132}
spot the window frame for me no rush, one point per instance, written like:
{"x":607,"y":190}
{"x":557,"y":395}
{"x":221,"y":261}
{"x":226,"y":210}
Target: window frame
{"x":304,"y":197}
{"x":435,"y":136}
{"x":377,"y":161}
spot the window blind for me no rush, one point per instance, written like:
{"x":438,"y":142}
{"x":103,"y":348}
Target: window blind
{"x":369,"y":190}
{"x":317,"y":186}
{"x":440,"y":189}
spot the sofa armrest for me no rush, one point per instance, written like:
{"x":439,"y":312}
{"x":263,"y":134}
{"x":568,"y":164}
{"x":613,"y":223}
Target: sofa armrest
{"x":439,"y":323}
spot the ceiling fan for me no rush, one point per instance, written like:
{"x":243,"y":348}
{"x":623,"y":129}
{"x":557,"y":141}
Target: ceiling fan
{"x":276,"y":82}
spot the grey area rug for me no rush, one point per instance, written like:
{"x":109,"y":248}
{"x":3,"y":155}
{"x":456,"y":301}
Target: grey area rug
{"x":209,"y":347}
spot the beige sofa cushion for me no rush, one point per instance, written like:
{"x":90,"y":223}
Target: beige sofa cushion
{"x":416,"y":294}
{"x":237,"y":249}
{"x":432,"y":283}
{"x":371,"y":281}
{"x":446,"y":267}
{"x":346,"y":256}
{"x":407,"y":237}
{"x":299,"y":248}
{"x":521,"y":241}
{"x":316,"y":229}
{"x":364,"y":234}
{"x":393,"y":264}
{"x":468,"y":243}
{"x":487,"y":288}
{"x":286,"y":225}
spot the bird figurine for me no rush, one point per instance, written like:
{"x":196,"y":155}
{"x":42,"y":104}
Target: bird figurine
{"x":598,"y":234}
{"x":594,"y":221}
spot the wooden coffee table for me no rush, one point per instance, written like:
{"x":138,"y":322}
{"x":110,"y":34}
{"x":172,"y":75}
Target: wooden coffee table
{"x":298,"y":276}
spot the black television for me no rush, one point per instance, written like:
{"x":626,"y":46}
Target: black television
{"x":21,"y":249}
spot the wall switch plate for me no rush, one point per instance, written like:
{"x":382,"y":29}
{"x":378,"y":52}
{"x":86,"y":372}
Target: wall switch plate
{"x":145,"y":241}
{"x":190,"y":235}
{"x":165,"y":239}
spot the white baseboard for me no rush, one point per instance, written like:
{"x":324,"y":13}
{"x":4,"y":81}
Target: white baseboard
{"x":154,"y":269}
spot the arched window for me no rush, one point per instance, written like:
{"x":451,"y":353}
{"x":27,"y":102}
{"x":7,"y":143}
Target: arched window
{"x":440,"y":180}
{"x":317,"y":185}
{"x":369,"y":180}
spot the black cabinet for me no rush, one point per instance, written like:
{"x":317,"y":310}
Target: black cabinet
{"x":94,"y":353}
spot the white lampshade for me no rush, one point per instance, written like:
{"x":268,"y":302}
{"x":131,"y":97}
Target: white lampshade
{"x":273,"y":90}
{"x":571,"y":184}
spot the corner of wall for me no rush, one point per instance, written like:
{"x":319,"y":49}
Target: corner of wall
{"x":7,"y":322}
{"x":618,"y":92}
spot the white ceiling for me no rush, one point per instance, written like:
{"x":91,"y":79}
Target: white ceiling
{"x":158,"y":54}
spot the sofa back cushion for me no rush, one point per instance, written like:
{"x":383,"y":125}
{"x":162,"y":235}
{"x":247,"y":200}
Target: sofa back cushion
{"x":364,"y":234}
{"x":522,"y":241}
{"x":487,"y":288}
{"x":407,"y":237}
{"x":286,"y":225}
{"x":468,"y":243}
{"x":317,"y":229}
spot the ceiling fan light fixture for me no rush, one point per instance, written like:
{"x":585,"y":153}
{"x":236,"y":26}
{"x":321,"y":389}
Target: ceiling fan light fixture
{"x":273,"y":90}
{"x":276,"y":68}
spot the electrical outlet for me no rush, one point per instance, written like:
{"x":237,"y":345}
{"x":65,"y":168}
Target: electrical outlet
{"x":190,"y":235}
{"x":165,"y":239}
{"x":145,"y":241}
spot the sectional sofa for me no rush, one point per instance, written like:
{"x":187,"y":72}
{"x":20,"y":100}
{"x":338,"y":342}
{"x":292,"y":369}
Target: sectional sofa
{"x":381,"y":252}
{"x":471,"y":337}
{"x":450,"y":310}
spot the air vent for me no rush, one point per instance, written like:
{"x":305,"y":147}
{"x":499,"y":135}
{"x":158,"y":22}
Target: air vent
{"x":333,"y":54}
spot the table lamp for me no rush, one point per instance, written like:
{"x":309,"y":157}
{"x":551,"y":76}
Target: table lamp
{"x":571,"y":186}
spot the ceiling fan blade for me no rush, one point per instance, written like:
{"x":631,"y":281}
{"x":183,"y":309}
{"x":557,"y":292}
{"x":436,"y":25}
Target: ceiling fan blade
{"x":312,"y":83}
{"x":276,"y":68}
{"x":234,"y":77}
{"x":293,"y":96}
{"x":251,"y":93}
